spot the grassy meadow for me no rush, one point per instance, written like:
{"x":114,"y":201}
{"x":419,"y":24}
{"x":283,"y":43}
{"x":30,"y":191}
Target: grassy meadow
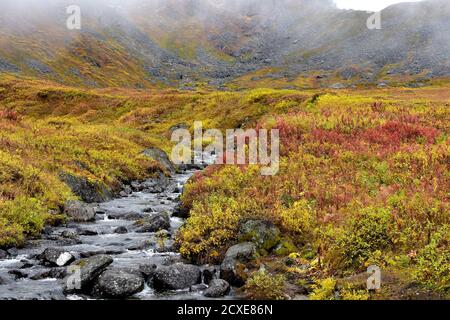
{"x":364,"y":176}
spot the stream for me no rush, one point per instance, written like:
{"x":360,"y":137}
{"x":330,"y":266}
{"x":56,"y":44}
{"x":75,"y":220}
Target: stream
{"x":23,"y":276}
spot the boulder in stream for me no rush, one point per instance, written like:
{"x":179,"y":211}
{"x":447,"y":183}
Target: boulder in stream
{"x":154,"y":223}
{"x":83,"y":272}
{"x":57,"y":257}
{"x":79,"y":211}
{"x":118,"y":284}
{"x":176,"y":277}
{"x":217,"y":288}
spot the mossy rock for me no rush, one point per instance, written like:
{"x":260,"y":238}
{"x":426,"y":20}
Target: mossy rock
{"x":285,"y":247}
{"x":263,"y":234}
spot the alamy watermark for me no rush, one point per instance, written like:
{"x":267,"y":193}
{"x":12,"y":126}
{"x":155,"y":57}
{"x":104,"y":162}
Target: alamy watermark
{"x":374,"y":280}
{"x":374,"y":21}
{"x":73,"y":281}
{"x":238,"y":147}
{"x":73,"y":22}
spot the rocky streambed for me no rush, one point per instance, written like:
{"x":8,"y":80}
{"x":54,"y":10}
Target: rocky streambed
{"x":118,"y":249}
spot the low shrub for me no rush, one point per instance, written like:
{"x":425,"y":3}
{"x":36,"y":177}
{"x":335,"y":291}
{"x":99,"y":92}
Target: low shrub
{"x":263,"y":286}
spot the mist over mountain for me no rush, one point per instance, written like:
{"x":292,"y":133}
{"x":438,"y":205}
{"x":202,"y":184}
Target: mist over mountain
{"x":182,"y":42}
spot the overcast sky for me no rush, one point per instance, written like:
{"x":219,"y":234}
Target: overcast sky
{"x":370,"y":5}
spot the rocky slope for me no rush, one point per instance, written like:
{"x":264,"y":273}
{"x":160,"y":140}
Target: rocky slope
{"x":151,"y":42}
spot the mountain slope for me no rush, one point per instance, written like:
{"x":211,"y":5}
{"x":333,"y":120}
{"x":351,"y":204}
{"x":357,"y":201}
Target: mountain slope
{"x":153,"y":42}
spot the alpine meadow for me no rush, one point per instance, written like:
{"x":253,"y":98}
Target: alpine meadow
{"x":95,"y":95}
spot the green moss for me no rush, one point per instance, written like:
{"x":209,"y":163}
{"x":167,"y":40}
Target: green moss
{"x":285,"y":247}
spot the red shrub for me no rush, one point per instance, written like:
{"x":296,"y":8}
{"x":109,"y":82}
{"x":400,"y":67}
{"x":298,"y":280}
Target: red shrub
{"x":290,"y":136}
{"x":10,"y":115}
{"x":394,"y":133}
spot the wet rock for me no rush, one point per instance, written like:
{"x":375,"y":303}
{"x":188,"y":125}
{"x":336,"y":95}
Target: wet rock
{"x":180,"y":212}
{"x":111,"y":252}
{"x":13,"y":252}
{"x":69,"y":234}
{"x":155,"y":223}
{"x":32,"y":290}
{"x":3,"y":254}
{"x":233,"y":268}
{"x":198,"y":287}
{"x":88,"y":191}
{"x":79,"y":211}
{"x":87,"y":232}
{"x":208,"y":274}
{"x":84,"y":272}
{"x":57,"y":257}
{"x":143,"y":245}
{"x":217,"y":288}
{"x":26,"y":265}
{"x":148,"y":270}
{"x":165,"y":246}
{"x":129,"y":216}
{"x":53,"y":273}
{"x":18,"y":274}
{"x":121,"y":230}
{"x":262,"y":233}
{"x":116,"y":284}
{"x":137,"y":186}
{"x":176,"y":277}
{"x":160,"y":156}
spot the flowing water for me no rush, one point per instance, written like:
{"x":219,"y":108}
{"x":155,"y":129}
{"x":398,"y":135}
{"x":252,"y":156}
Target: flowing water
{"x":128,"y":250}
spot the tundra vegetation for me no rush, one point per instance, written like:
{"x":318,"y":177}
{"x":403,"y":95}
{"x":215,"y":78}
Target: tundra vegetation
{"x":364,"y":177}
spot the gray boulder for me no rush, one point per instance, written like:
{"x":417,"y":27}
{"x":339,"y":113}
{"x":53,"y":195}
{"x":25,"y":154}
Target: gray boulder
{"x":242,"y":252}
{"x":88,"y":191}
{"x":208,"y":274}
{"x":54,"y":273}
{"x":176,"y":277}
{"x":154,"y":223}
{"x":57,"y":257}
{"x":129,"y":216}
{"x":83,"y":272}
{"x":79,"y":211}
{"x":3,"y":254}
{"x":121,"y":230}
{"x":68,"y":234}
{"x":180,"y":212}
{"x":217,"y":288}
{"x":118,"y":284}
{"x":160,"y":156}
{"x":233,"y":268}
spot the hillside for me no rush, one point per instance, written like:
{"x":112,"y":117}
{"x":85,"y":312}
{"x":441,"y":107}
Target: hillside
{"x":193,"y":43}
{"x":363,"y":178}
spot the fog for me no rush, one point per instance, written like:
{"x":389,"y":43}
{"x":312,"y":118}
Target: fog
{"x":270,"y":30}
